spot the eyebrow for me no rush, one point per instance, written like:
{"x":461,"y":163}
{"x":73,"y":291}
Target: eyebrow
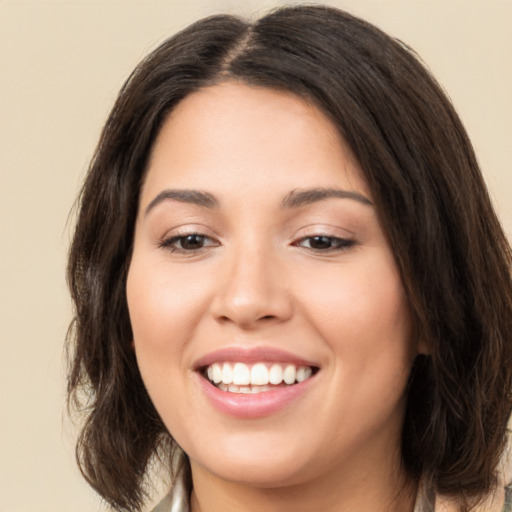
{"x":297,"y":198}
{"x":196,"y":197}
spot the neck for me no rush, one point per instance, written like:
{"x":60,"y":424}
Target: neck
{"x":363,"y":489}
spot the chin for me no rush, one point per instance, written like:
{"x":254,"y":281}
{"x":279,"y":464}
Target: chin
{"x":264,"y":466}
{"x":268,"y":475}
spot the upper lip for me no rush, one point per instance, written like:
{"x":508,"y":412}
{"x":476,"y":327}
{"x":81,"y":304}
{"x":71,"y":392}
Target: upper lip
{"x":250,"y":355}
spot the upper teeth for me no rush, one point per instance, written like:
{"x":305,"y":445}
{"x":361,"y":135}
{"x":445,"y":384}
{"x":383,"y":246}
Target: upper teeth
{"x":259,"y":374}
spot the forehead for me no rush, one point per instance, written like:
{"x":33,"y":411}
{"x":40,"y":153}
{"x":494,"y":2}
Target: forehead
{"x":234,"y":135}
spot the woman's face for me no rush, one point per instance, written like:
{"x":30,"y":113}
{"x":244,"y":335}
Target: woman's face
{"x":259,"y":261}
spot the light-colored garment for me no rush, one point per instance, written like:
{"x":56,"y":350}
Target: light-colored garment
{"x":501,"y":501}
{"x":177,"y":499}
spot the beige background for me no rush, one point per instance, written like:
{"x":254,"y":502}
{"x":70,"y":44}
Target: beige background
{"x":61,"y":64}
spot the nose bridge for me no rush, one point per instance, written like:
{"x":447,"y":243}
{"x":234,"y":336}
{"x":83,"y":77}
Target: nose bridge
{"x":253,"y":289}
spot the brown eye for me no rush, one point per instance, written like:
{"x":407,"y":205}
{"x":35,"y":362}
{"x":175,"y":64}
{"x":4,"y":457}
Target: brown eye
{"x":321,"y":242}
{"x":192,"y":242}
{"x":188,"y":243}
{"x":324,"y":243}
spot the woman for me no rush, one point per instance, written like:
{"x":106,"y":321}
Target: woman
{"x":290,"y":284}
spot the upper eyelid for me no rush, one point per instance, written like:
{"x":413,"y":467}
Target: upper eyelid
{"x":319,"y":229}
{"x":189,"y":229}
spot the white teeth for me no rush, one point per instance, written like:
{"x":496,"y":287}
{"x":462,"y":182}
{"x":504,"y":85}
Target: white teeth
{"x":289,"y":374}
{"x":217,"y":373}
{"x":259,"y":375}
{"x":243,"y":378}
{"x":241,"y":374}
{"x":303,"y":373}
{"x":275,"y":375}
{"x":231,"y":388}
{"x":227,"y":374}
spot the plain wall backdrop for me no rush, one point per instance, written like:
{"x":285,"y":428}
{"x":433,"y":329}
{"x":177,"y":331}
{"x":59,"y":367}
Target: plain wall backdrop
{"x":61,"y":65}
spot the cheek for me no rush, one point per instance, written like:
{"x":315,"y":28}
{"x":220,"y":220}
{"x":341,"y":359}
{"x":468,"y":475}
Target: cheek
{"x":164,"y":307}
{"x":363,"y":314}
{"x":165,"y":310}
{"x":366,"y":324}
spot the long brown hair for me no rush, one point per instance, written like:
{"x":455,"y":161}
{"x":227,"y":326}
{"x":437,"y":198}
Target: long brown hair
{"x":454,"y":259}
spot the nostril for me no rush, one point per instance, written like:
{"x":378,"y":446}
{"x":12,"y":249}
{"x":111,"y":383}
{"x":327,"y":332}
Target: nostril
{"x":247,"y":322}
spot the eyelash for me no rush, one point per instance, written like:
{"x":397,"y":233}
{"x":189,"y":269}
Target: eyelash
{"x":337,"y":244}
{"x":171,"y":244}
{"x":175,"y":243}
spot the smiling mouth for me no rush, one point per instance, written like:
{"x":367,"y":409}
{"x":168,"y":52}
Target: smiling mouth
{"x":237,"y":377}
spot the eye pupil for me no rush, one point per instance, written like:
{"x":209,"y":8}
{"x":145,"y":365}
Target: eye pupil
{"x":320,"y":242}
{"x":192,"y":241}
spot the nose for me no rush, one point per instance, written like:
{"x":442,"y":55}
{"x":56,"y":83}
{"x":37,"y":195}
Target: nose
{"x":252,"y":291}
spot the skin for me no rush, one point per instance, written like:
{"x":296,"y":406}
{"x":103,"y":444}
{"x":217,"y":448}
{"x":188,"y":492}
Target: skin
{"x":257,"y":279}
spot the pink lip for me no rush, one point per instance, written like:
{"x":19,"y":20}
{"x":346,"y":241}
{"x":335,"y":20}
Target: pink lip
{"x":249,"y":406}
{"x":256,"y":405}
{"x":251,"y":355}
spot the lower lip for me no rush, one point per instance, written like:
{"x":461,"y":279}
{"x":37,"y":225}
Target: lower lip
{"x":253,"y":405}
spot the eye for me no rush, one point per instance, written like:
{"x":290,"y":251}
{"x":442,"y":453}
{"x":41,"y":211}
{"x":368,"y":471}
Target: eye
{"x":324,"y":243}
{"x":191,"y":242}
